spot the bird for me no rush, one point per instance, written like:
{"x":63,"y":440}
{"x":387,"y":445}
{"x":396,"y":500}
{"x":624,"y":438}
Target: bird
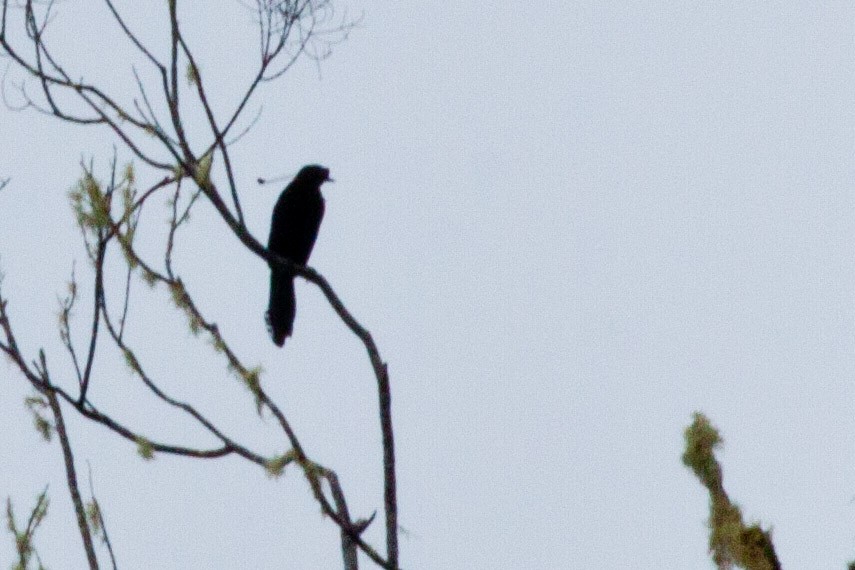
{"x":294,"y":228}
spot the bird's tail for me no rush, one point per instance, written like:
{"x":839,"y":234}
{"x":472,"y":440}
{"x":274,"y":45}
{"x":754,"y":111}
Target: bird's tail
{"x":280,"y":311}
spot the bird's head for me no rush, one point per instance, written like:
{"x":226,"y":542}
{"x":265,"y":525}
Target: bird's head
{"x":315,"y":173}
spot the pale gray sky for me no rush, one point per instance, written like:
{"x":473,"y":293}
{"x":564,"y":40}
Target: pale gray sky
{"x":569,"y":226}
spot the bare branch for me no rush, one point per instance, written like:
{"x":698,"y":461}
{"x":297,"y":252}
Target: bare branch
{"x":133,"y":38}
{"x":87,"y":93}
{"x":287,"y":29}
{"x":184,"y":301}
{"x":151,"y":116}
{"x":348,"y":546}
{"x":65,"y":313}
{"x":39,"y":378}
{"x":127,"y":297}
{"x":212,"y":122}
{"x":171,"y":91}
{"x":380,"y":370}
{"x":71,"y":479}
{"x":93,"y":337}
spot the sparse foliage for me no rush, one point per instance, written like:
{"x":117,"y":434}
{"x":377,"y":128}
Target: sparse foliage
{"x":732,"y":542}
{"x":24,"y":536}
{"x":109,"y":209}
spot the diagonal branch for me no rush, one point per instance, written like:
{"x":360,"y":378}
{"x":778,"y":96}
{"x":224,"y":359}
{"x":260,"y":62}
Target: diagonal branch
{"x":100,"y":526}
{"x":71,"y":479}
{"x":381,"y":372}
{"x":133,"y":37}
{"x":284,"y":26}
{"x":212,"y":122}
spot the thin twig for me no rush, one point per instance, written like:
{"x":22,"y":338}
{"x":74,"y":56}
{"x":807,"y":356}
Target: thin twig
{"x":101,"y":523}
{"x":212,"y":122}
{"x":132,"y":37}
{"x":380,"y":370}
{"x":278,"y":21}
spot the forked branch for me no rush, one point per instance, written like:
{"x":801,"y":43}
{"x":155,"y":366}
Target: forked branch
{"x":287,"y":29}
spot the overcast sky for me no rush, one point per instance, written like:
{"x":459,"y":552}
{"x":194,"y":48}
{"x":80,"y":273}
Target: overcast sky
{"x":568,"y":224}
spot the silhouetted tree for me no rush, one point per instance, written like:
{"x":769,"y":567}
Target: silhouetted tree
{"x":108,"y":214}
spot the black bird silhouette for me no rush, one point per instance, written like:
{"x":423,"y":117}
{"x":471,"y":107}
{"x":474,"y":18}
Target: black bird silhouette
{"x":293,"y":230}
